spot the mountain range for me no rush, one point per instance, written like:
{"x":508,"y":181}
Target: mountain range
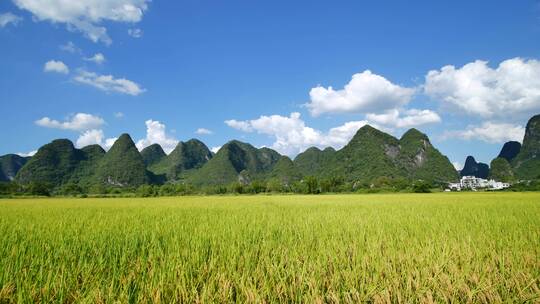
{"x":370,"y":154}
{"x":515,"y":161}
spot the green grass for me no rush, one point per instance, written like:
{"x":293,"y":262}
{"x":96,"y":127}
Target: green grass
{"x":470,"y":247}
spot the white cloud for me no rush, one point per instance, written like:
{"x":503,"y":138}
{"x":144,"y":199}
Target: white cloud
{"x":31,"y":153}
{"x":98,"y":58}
{"x":108,"y":83}
{"x":215,"y":149}
{"x":135,"y":32}
{"x":70,"y":47}
{"x":156,"y":134}
{"x":203,"y":131}
{"x":77,"y":122}
{"x":457,"y":165}
{"x":291,"y":135}
{"x":109,"y":142}
{"x":477,"y":89}
{"x":9,"y":18}
{"x":56,"y":66}
{"x":94,"y":137}
{"x":366,"y":92}
{"x":411,"y":118}
{"x":119,"y":115}
{"x":490,"y":132}
{"x":239,"y":125}
{"x":86,"y":15}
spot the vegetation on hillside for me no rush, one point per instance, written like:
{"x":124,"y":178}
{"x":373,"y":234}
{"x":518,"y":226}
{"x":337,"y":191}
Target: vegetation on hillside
{"x":371,"y":161}
{"x":527,"y":163}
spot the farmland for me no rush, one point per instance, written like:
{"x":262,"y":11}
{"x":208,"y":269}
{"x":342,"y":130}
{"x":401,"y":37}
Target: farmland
{"x":461,"y":247}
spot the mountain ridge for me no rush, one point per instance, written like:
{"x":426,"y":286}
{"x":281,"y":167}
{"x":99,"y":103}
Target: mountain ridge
{"x":370,"y":154}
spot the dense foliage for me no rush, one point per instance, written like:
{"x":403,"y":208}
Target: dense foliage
{"x":187,"y":156}
{"x":527,"y":162}
{"x":123,"y":165}
{"x":501,"y":170}
{"x":152,"y":154}
{"x":372,"y":161}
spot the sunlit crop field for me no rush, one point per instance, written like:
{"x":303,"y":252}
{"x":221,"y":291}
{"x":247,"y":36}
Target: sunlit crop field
{"x":476,"y":247}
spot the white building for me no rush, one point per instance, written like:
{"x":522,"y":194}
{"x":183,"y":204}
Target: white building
{"x":474,"y":183}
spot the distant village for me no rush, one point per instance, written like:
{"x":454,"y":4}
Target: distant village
{"x":476,"y":183}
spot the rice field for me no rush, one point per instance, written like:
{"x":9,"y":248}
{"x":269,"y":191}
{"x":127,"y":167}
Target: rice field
{"x":387,"y":248}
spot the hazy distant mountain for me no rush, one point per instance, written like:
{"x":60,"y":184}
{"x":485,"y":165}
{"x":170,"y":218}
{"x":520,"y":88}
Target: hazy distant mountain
{"x":510,"y":150}
{"x":10,"y":164}
{"x":473,"y":168}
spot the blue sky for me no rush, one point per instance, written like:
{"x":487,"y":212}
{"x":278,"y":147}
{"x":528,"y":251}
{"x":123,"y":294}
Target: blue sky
{"x":273,"y":73}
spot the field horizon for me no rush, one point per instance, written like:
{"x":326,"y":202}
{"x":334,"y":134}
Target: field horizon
{"x":381,"y":248}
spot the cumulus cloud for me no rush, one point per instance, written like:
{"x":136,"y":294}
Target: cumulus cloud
{"x":86,"y":16}
{"x":77,"y":122}
{"x":366,"y":92}
{"x":135,"y":32}
{"x":56,"y":67}
{"x":31,"y":153}
{"x":94,"y":137}
{"x":457,"y":165}
{"x":405,"y":119}
{"x":215,"y":149}
{"x":108,"y":83}
{"x":98,"y":58}
{"x":477,"y":89}
{"x":490,"y":132}
{"x":119,"y":115}
{"x":9,"y":18}
{"x":156,"y":134}
{"x":203,"y":131}
{"x":239,"y":125}
{"x":291,"y":135}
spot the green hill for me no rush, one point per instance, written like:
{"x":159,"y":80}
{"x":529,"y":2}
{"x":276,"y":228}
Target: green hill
{"x":54,"y":163}
{"x":10,"y":164}
{"x":189,"y":155}
{"x":236,"y":162}
{"x":501,"y":170}
{"x":122,"y":165}
{"x":423,"y":161}
{"x":86,"y":169}
{"x":285,"y":171}
{"x":370,"y":153}
{"x":527,"y":163}
{"x":313,"y":161}
{"x":152,"y":154}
